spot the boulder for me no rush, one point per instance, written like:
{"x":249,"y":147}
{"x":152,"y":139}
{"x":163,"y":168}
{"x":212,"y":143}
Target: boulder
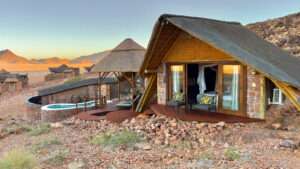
{"x":289,"y":144}
{"x":276,"y":126}
{"x":76,"y":165}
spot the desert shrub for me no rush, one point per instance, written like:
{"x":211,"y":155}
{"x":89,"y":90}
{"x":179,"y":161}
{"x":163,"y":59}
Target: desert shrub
{"x":207,"y":155}
{"x":57,"y":158}
{"x":127,"y":138}
{"x":232,"y":154}
{"x":14,"y":129}
{"x":18,"y":159}
{"x":46,"y":144}
{"x":39,"y":129}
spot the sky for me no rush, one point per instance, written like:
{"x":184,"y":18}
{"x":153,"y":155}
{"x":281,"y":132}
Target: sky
{"x":72,"y":28}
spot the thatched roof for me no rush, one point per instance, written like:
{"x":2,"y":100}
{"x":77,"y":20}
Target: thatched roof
{"x":62,"y":68}
{"x":10,"y":77}
{"x":3,"y":71}
{"x":11,"y":80}
{"x":126,"y":57}
{"x":89,"y":68}
{"x":230,"y":37}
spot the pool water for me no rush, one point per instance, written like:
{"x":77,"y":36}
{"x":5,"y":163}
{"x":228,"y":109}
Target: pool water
{"x":68,"y":106}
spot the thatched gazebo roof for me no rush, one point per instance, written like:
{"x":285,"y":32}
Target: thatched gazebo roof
{"x":128,"y":56}
{"x":62,"y":68}
{"x":3,"y":72}
{"x":89,"y":68}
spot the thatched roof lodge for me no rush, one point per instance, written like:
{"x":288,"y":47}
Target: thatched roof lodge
{"x":124,"y":62}
{"x":128,"y":56}
{"x":12,"y":81}
{"x":62,"y":71}
{"x":214,"y":66}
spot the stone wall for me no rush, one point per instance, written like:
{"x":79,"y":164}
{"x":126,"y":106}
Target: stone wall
{"x":55,"y":76}
{"x":81,"y":92}
{"x":255,"y":98}
{"x":161,"y":87}
{"x":11,"y":87}
{"x":65,"y":97}
{"x":257,"y":102}
{"x":33,"y":112}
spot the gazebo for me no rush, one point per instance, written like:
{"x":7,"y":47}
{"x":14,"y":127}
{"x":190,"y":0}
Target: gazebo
{"x":123,"y":62}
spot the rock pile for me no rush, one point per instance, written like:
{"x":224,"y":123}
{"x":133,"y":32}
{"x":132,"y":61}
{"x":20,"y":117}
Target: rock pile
{"x":159,"y":129}
{"x":163,"y":130}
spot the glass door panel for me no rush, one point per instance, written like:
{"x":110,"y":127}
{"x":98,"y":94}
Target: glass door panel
{"x":230,"y":87}
{"x":177,"y":82}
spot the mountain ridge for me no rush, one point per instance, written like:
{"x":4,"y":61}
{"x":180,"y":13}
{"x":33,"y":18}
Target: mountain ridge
{"x":284,"y":32}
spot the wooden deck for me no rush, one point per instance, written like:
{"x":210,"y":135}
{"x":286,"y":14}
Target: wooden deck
{"x":121,"y":115}
{"x":199,"y":115}
{"x":97,"y":114}
{"x":109,"y":112}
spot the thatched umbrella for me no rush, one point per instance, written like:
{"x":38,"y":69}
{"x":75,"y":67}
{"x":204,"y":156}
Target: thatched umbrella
{"x":124,"y":60}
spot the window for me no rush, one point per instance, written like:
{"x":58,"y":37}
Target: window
{"x":230,"y":87}
{"x":277,"y":96}
{"x":177,"y":82}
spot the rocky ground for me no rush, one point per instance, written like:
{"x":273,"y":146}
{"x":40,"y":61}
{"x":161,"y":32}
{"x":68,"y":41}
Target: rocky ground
{"x":147,"y":142}
{"x":163,"y":143}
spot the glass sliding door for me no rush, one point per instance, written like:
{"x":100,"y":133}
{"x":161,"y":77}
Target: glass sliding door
{"x":231,"y":87}
{"x":176,"y":82}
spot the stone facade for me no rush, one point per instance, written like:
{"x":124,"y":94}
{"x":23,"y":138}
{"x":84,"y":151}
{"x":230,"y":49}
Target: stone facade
{"x":66,"y":96}
{"x":55,"y":76}
{"x":11,"y":86}
{"x":74,"y":95}
{"x":161,"y":87}
{"x":255,"y":99}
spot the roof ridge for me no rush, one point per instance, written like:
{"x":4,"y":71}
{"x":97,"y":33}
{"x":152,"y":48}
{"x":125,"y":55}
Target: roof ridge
{"x":164,"y":16}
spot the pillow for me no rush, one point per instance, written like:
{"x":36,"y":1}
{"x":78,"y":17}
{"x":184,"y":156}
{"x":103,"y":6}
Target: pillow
{"x":207,"y":99}
{"x":178,"y":96}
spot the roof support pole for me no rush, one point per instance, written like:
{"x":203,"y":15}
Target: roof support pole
{"x":133,"y":90}
{"x":119,"y":88}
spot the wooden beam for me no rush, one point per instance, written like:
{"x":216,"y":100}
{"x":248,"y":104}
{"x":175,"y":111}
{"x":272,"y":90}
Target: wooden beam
{"x":262,"y":97}
{"x":149,"y":91}
{"x":154,"y":38}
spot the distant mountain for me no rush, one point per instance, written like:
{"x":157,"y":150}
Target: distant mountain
{"x":93,"y":58}
{"x":7,"y":56}
{"x":284,"y":32}
{"x":52,"y":60}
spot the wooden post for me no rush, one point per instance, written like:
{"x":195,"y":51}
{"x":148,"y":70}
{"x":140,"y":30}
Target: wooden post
{"x":85,"y":100}
{"x":99,"y":89}
{"x":133,"y":90}
{"x":119,"y":96}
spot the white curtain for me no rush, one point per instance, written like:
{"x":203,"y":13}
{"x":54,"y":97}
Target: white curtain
{"x":201,"y":79}
{"x":176,"y":82}
{"x":235,"y":88}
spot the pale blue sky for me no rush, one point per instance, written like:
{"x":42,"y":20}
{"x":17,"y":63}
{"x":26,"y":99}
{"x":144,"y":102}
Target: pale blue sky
{"x":70,"y":28}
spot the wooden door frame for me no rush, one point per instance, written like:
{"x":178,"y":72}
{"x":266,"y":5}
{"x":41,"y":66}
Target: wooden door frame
{"x":219,"y":86}
{"x":169,"y":80}
{"x":242,"y":111}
